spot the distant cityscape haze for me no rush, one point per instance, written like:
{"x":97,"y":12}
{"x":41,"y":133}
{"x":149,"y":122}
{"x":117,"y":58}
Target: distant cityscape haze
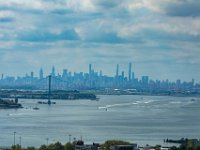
{"x":154,"y":73}
{"x":93,"y":79}
{"x":139,"y":72}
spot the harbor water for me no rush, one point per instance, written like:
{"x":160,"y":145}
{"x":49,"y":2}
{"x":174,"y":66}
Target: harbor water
{"x":138,"y":119}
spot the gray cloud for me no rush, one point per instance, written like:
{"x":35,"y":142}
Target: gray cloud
{"x":45,"y":36}
{"x":105,"y":38}
{"x":107,"y":4}
{"x":6,"y":20}
{"x":150,"y":33}
{"x":183,"y":8}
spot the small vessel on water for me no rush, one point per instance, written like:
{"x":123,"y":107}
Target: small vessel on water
{"x":9,"y":104}
{"x":43,"y":102}
{"x":36,"y":108}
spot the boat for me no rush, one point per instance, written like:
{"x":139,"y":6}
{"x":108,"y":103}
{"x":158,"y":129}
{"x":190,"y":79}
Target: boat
{"x":36,"y":108}
{"x":9,"y":104}
{"x":43,"y":102}
{"x":95,"y":99}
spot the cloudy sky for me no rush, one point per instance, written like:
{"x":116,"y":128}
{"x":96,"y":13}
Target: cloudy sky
{"x":160,"y":37}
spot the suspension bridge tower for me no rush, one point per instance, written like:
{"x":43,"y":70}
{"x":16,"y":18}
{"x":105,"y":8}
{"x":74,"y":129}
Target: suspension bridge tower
{"x":49,"y":94}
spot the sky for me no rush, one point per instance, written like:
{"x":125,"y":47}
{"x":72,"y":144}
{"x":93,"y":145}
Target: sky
{"x":160,"y":37}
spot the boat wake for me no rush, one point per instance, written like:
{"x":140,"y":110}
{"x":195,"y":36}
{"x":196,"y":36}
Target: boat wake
{"x":125,"y":104}
{"x":20,"y":114}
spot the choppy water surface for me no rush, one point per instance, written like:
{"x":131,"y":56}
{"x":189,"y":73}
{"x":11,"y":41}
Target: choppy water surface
{"x":139,"y":119}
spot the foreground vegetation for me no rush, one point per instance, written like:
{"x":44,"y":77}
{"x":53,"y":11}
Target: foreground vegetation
{"x":54,"y":146}
{"x":69,"y":146}
{"x":187,"y":145}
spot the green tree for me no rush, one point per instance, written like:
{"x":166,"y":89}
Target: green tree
{"x":107,"y":144}
{"x":183,"y":146}
{"x":16,"y":147}
{"x":173,"y":148}
{"x":43,"y":147}
{"x":56,"y":146}
{"x":69,"y":146}
{"x":157,"y":147}
{"x":31,"y":148}
{"x":197,"y":147}
{"x":190,"y":145}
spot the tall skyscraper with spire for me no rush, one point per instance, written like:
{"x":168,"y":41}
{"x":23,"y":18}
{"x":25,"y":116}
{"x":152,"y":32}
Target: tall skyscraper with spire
{"x":129,"y":71}
{"x":117,"y":71}
{"x":90,"y":69}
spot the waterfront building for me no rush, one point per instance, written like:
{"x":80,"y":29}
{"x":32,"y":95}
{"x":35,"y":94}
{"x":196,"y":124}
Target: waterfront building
{"x":123,"y":75}
{"x":2,"y":76}
{"x":124,"y":147}
{"x":133,"y":76}
{"x":117,"y":71}
{"x":41,"y":74}
{"x":100,"y":73}
{"x":129,"y":71}
{"x":53,"y":72}
{"x":90,"y":69}
{"x":145,"y":80}
{"x":64,"y":74}
{"x":32,"y":75}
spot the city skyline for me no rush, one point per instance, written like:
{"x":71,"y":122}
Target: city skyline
{"x":127,"y":72}
{"x":94,"y":79}
{"x":129,"y":75}
{"x":160,"y":38}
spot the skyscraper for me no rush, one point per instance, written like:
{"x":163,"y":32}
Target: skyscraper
{"x":90,"y":69}
{"x":129,"y":71}
{"x":122,"y":75}
{"x":100,"y":73}
{"x":117,"y":71}
{"x":41,"y":75}
{"x":145,"y":80}
{"x":64,"y":75}
{"x":32,"y":75}
{"x":133,"y":76}
{"x":53,"y":73}
{"x":2,"y":76}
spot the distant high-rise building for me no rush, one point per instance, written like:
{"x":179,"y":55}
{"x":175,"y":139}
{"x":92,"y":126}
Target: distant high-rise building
{"x":178,"y":82}
{"x":64,"y":75}
{"x":53,"y":72}
{"x":100,"y":73}
{"x":122,"y":75}
{"x":32,"y":75}
{"x":145,"y":80}
{"x":41,"y":75}
{"x":193,"y":81}
{"x":117,"y":71}
{"x":133,"y":76}
{"x":70,"y":74}
{"x":2,"y":76}
{"x":129,"y":71}
{"x":90,"y":69}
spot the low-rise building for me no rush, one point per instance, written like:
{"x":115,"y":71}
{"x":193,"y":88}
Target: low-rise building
{"x":81,"y":146}
{"x":124,"y":147}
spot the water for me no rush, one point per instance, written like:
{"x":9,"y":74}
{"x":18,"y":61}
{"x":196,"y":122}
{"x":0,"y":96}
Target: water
{"x":139,"y":119}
